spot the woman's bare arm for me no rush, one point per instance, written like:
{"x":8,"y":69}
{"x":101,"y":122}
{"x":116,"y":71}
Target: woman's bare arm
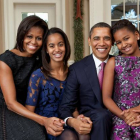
{"x":9,"y":93}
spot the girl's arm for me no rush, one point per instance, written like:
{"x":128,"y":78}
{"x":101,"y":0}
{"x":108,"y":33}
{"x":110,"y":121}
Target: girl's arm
{"x":108,"y":83}
{"x":31,"y":108}
{"x":75,"y":113}
{"x":9,"y":93}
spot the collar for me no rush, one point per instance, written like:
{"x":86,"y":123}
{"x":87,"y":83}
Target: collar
{"x":97,"y":61}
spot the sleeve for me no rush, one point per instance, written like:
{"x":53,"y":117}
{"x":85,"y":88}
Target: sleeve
{"x":9,"y":60}
{"x":33,"y":90}
{"x":70,"y":96}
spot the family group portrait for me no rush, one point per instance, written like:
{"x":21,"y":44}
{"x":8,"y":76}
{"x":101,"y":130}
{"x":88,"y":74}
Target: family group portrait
{"x":70,"y":70}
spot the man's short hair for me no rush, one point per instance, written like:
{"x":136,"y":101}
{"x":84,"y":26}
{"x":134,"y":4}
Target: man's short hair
{"x":98,"y":25}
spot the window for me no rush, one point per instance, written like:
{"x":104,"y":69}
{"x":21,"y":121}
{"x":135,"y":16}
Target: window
{"x":44,"y":16}
{"x":125,"y":9}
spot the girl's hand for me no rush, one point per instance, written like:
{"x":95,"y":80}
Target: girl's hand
{"x":59,"y":123}
{"x":136,"y":122}
{"x":84,"y":119}
{"x":53,"y":125}
{"x":80,"y":126}
{"x":129,"y":116}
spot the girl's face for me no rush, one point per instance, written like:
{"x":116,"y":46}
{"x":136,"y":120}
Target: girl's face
{"x":56,"y":47}
{"x":126,"y":42}
{"x":32,"y":41}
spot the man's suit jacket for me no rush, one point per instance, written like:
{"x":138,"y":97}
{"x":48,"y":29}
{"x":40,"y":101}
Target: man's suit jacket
{"x":82,"y":89}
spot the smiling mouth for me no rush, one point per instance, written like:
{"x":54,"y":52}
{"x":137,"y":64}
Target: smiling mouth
{"x":58,"y":55}
{"x":127,"y":49}
{"x":32,"y":47}
{"x":101,"y":50}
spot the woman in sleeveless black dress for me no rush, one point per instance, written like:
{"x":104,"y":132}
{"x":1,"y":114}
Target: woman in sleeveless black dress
{"x":16,"y":66}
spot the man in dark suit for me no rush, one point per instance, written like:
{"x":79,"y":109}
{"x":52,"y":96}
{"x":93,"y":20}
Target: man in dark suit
{"x":83,"y":90}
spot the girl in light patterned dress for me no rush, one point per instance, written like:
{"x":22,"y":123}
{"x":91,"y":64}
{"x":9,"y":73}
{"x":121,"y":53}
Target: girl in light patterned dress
{"x":121,"y":84}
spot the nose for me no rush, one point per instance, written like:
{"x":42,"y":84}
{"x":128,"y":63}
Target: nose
{"x":56,"y":48}
{"x":123,"y":44}
{"x":102,"y":43}
{"x":33,"y":41}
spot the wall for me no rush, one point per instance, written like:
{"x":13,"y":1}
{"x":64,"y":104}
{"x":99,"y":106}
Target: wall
{"x":69,"y":26}
{"x":1,"y":28}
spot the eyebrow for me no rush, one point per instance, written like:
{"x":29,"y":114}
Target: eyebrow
{"x":33,"y":34}
{"x":51,"y":44}
{"x":61,"y":42}
{"x":58,"y":43}
{"x":107,"y":37}
{"x":126,"y":36}
{"x":100,"y":37}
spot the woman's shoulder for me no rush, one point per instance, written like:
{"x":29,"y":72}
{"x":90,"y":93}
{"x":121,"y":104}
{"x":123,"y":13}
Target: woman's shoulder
{"x":6,"y":55}
{"x":8,"y":58}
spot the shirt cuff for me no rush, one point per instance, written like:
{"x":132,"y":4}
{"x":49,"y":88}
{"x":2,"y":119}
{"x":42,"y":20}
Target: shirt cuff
{"x":65,"y":120}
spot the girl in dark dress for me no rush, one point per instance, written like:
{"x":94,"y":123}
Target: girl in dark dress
{"x":46,"y":85}
{"x":16,"y":66}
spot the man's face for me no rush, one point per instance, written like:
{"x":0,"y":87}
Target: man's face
{"x":101,"y":42}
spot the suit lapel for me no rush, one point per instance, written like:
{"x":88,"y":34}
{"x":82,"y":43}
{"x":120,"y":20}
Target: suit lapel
{"x":91,"y":73}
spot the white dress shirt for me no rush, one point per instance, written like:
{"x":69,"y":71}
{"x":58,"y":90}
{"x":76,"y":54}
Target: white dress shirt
{"x":98,"y":63}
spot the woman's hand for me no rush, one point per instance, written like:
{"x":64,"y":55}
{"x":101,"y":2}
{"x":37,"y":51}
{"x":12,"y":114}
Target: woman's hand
{"x":53,"y":125}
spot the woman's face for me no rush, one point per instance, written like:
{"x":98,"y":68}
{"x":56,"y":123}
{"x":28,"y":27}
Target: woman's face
{"x":33,"y":41}
{"x":56,"y":47}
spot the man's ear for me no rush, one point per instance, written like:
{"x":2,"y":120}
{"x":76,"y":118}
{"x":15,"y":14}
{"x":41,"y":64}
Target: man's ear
{"x":89,"y":41}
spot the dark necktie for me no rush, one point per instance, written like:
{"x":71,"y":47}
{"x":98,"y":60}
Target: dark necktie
{"x":101,"y":74}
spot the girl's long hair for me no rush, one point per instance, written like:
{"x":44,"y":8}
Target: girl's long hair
{"x":46,"y":69}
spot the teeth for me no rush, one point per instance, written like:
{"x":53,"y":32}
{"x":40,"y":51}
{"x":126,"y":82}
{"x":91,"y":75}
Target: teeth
{"x":127,"y":49}
{"x":57,"y":55}
{"x":32,"y":47}
{"x":101,"y":50}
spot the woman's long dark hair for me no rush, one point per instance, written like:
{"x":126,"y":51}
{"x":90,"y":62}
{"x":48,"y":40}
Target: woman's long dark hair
{"x":45,"y":56}
{"x":25,"y":25}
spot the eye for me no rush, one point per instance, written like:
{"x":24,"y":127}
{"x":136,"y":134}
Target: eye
{"x":61,"y":44}
{"x":126,"y":38}
{"x":107,"y":38}
{"x":39,"y":38}
{"x":117,"y":43}
{"x":29,"y":36}
{"x":51,"y":46}
{"x":96,"y":38}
